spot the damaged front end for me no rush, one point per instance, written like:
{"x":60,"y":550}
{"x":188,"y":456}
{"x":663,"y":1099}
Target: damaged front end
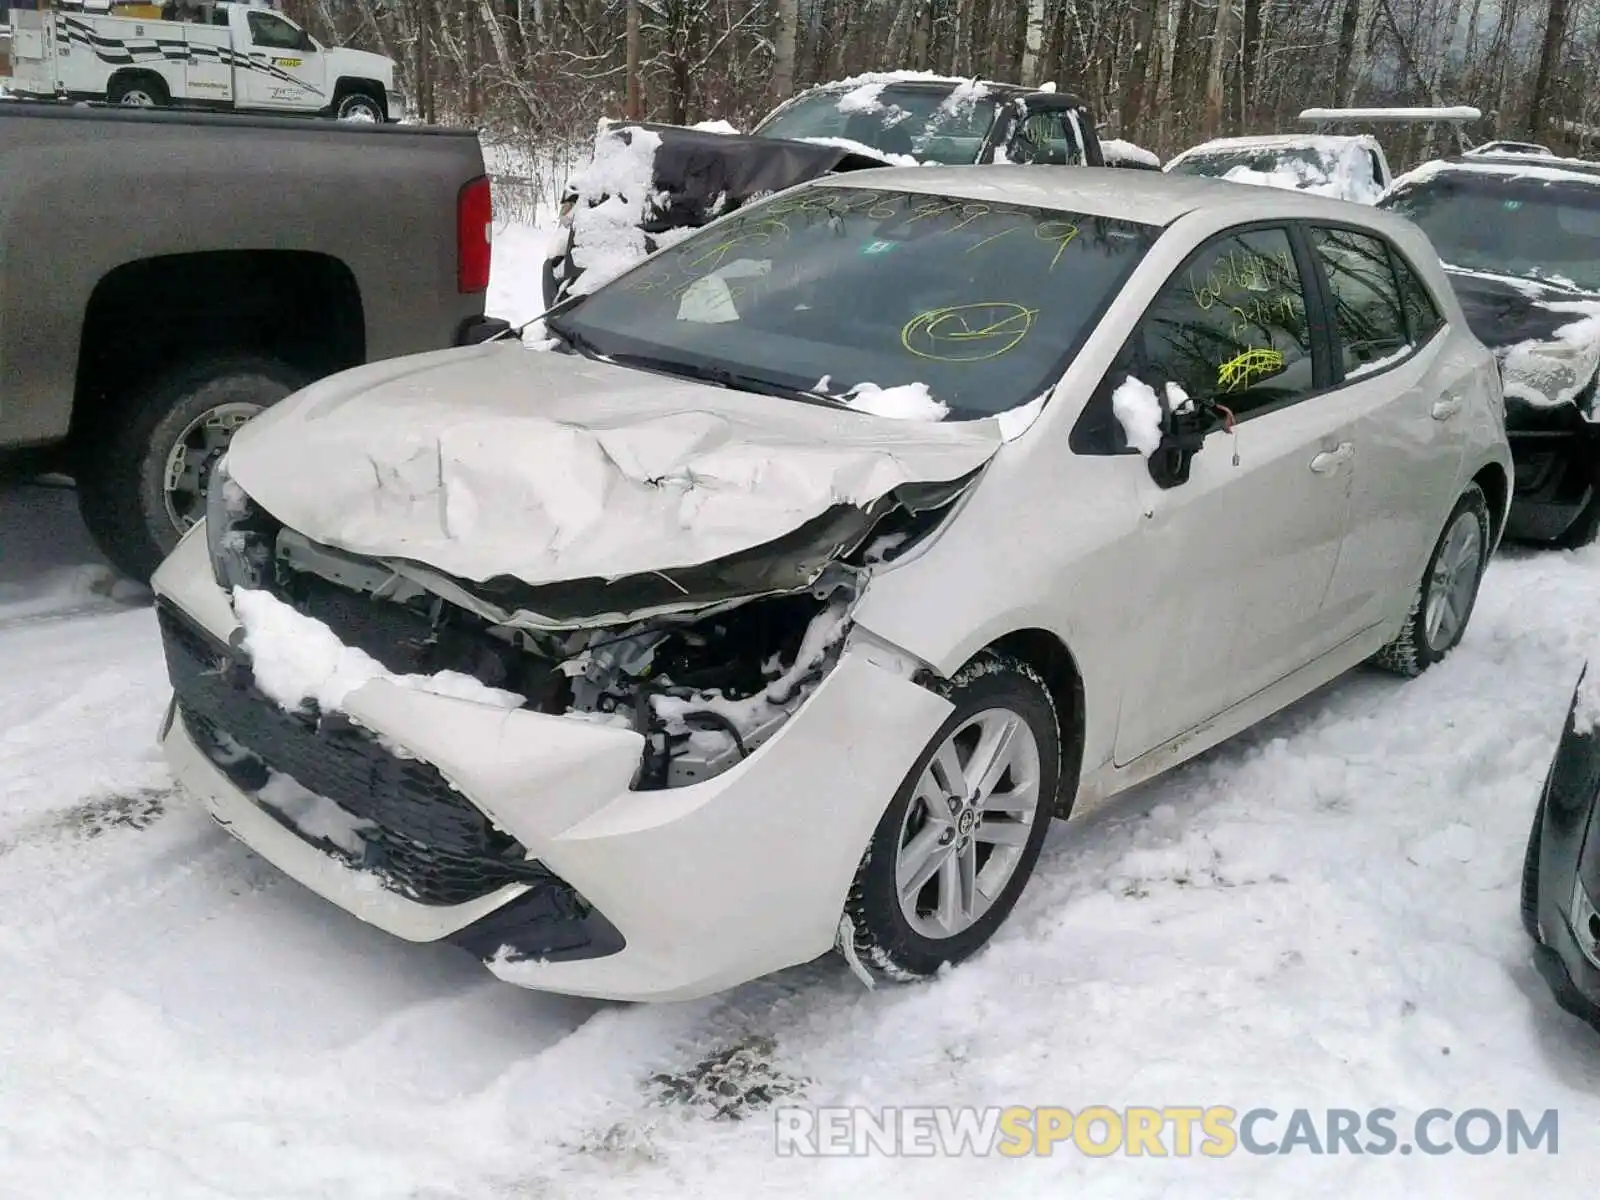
{"x":705,"y":663}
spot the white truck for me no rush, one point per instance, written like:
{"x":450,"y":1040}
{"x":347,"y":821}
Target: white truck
{"x":195,"y":54}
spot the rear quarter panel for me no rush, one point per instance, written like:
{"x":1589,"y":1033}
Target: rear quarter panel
{"x":83,"y":191}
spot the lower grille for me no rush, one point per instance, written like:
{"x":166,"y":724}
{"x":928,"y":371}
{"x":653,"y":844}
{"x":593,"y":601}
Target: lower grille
{"x":425,"y":841}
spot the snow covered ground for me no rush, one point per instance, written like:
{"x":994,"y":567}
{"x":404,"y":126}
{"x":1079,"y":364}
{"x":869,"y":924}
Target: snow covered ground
{"x":1319,"y":914}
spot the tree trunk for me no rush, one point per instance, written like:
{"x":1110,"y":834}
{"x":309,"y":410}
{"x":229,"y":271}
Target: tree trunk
{"x":783,"y":48}
{"x":1033,"y":43}
{"x":1555,"y":32}
{"x":1138,"y":66}
{"x":1249,"y":60}
{"x":1216,"y":71}
{"x":635,"y":104}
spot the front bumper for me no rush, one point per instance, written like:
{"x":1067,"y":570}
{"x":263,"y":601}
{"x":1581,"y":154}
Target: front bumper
{"x":1567,"y":838}
{"x":697,"y":888}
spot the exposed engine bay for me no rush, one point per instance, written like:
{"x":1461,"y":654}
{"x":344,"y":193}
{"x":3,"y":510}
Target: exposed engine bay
{"x":704,"y":682}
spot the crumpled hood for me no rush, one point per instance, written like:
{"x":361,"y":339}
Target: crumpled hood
{"x":499,"y":460}
{"x":1505,"y":312}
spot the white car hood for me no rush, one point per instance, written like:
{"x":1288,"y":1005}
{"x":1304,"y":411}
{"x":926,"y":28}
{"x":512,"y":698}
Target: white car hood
{"x":499,"y":460}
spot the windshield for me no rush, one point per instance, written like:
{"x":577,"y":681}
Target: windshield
{"x":929,"y":124}
{"x":1534,"y":228}
{"x":827,"y":288}
{"x":1214,"y":164}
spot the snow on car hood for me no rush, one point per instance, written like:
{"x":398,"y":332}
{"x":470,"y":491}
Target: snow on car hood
{"x":494,"y":461}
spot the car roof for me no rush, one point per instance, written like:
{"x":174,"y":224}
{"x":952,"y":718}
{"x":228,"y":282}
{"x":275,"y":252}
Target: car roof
{"x":1510,"y":166}
{"x":1144,"y":197}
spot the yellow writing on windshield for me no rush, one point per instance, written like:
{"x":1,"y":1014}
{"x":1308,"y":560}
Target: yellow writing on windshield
{"x":1246,"y":368}
{"x":967,"y":332}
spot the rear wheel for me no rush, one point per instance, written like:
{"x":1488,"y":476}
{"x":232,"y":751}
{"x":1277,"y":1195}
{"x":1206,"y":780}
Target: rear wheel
{"x":138,"y":91}
{"x":1445,"y":598}
{"x":144,"y":467}
{"x":956,"y":846}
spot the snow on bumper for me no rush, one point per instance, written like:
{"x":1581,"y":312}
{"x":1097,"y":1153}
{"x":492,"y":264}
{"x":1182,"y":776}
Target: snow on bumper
{"x":708,"y":885}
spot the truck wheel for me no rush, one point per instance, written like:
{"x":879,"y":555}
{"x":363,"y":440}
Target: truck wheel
{"x":144,"y":469}
{"x":139,"y":91}
{"x":361,"y":106}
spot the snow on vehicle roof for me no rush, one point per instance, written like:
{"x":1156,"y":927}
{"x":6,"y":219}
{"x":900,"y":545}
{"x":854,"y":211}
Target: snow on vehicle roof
{"x":1552,"y":170}
{"x":1116,"y":148}
{"x":1280,"y":141}
{"x":883,"y":78}
{"x":1144,"y":197}
{"x":1451,"y":113}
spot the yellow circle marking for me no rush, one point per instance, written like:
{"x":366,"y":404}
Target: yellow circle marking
{"x":967,"y":332}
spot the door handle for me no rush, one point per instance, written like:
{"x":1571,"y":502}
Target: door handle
{"x":1331,"y":460}
{"x":1444,"y":409}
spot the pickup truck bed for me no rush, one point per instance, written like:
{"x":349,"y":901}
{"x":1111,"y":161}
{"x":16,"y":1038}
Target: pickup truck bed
{"x":163,"y":275}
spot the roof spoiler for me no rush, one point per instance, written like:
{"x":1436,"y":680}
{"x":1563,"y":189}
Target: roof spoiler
{"x":1459,"y":115}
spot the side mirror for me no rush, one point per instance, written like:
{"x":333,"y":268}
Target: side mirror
{"x":1183,"y":432}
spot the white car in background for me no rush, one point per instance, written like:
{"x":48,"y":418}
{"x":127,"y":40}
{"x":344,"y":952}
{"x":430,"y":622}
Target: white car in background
{"x":1345,"y":167}
{"x":778,"y":595}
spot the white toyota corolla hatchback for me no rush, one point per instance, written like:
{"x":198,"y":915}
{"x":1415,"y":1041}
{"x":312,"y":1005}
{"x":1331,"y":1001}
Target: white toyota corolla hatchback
{"x":778,"y":597}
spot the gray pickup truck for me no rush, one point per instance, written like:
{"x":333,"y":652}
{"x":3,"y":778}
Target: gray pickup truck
{"x":165,"y":276}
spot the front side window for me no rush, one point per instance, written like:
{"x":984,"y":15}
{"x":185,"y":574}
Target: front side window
{"x":1231,"y":325}
{"x":1045,"y":137}
{"x":1368,"y":313}
{"x":982,"y":303}
{"x":272,"y":32}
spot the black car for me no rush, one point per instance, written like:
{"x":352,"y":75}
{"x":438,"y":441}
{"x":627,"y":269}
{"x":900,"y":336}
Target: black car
{"x":1561,"y":871}
{"x":1520,"y":239}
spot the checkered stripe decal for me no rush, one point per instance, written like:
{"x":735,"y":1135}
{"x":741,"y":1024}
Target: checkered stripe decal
{"x":120,"y":52}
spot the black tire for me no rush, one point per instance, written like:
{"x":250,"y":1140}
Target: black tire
{"x":123,"y":455}
{"x":124,"y":86}
{"x":880,"y":939}
{"x":361,"y":104}
{"x":1410,"y":653}
{"x":1584,"y":527}
{"x":1530,"y":873}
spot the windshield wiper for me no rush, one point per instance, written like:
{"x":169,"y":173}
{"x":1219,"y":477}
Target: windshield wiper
{"x":724,"y":377}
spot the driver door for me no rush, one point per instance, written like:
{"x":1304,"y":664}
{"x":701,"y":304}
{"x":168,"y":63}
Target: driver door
{"x":283,"y":67}
{"x":1236,"y":560}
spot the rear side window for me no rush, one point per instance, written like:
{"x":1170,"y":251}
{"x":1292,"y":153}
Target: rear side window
{"x":1231,"y":325}
{"x":1368,"y":315}
{"x":1422,"y":314}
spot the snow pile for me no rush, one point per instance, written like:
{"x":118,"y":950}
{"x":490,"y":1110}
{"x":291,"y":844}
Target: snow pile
{"x":296,"y":658}
{"x":1138,"y":410}
{"x":1116,"y":150}
{"x":907,"y":402}
{"x":614,"y":200}
{"x":882,"y":78}
{"x":961,"y":101}
{"x":1535,"y":168}
{"x":862,"y":99}
{"x":1554,"y":371}
{"x":718,"y":126}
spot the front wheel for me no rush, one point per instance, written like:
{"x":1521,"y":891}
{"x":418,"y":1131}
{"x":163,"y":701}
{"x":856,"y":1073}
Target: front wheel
{"x":1444,"y":600}
{"x":144,"y":467}
{"x":957,"y":844}
{"x":361,"y":107}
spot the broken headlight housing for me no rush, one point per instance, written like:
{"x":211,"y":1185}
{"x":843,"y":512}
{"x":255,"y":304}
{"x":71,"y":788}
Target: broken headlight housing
{"x":239,"y":533}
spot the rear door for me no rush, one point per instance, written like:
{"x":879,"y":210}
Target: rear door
{"x":1239,"y":556}
{"x":210,"y":69}
{"x":1408,"y":394}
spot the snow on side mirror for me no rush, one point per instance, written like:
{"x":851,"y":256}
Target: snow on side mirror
{"x":1167,"y":427}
